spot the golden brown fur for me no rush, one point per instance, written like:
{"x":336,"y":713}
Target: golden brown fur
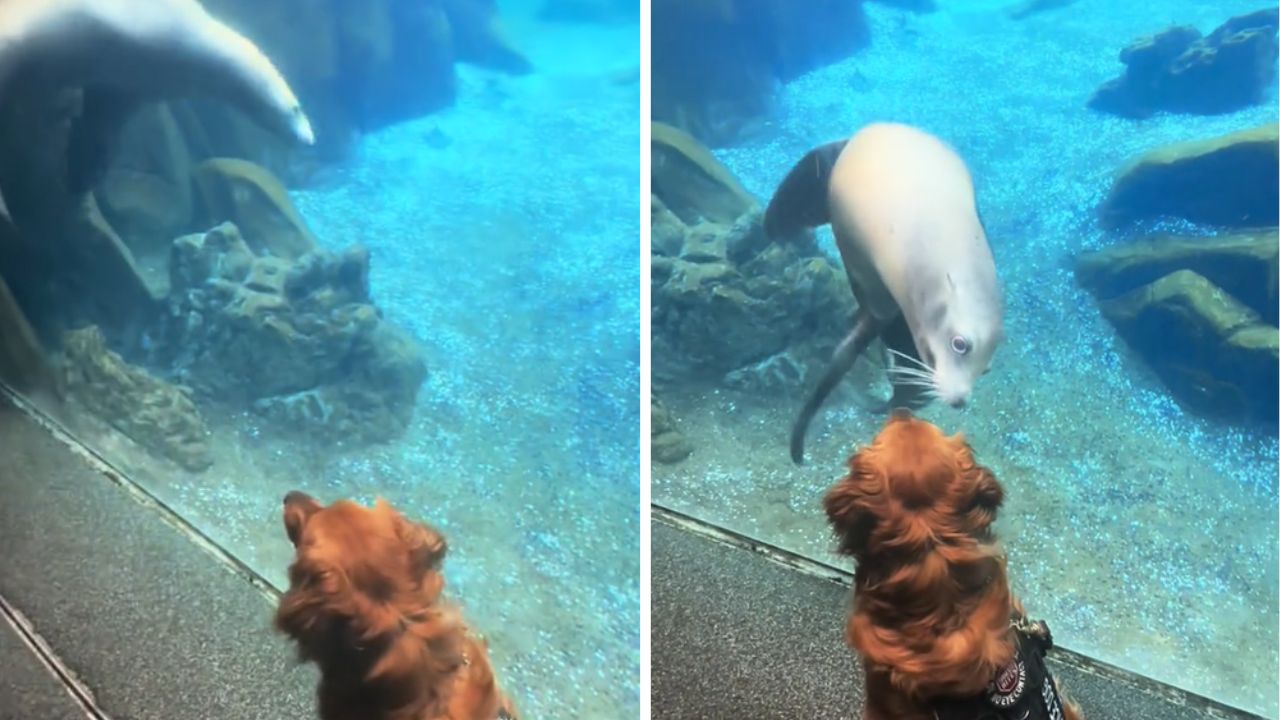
{"x":364,"y":604}
{"x":932,"y":605}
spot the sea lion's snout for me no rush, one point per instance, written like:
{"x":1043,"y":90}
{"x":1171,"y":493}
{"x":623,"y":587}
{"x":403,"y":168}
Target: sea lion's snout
{"x":300,"y":124}
{"x":958,"y":402}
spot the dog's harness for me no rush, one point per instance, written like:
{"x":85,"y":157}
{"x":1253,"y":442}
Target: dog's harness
{"x":1021,"y":690}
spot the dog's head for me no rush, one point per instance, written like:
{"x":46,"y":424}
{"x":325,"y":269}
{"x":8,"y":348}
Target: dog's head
{"x":915,"y":512}
{"x":912,"y":489}
{"x":362,"y":579}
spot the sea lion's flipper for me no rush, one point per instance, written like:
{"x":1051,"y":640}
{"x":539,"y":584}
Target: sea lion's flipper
{"x":864,"y":331}
{"x":800,"y":201}
{"x":94,"y":135}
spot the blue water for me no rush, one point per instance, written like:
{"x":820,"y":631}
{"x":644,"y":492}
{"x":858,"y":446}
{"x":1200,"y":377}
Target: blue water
{"x":504,"y":236}
{"x":1146,"y":535}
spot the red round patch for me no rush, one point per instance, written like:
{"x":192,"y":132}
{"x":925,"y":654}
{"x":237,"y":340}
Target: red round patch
{"x":1007,"y":680}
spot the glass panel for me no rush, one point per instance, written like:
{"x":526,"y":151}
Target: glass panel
{"x":1134,"y":434}
{"x":441,"y":310}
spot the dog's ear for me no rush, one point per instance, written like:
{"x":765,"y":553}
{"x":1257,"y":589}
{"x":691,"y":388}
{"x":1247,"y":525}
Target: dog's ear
{"x":296,"y":514}
{"x":846,"y":504}
{"x":317,"y":593}
{"x":988,"y":493}
{"x":427,"y":546}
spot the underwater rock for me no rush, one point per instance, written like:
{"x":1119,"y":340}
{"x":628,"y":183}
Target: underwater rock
{"x":1244,"y":265}
{"x":1229,"y":181}
{"x":146,"y":193}
{"x":666,"y":230}
{"x":1217,"y":356}
{"x":690,"y":182}
{"x":249,"y":196}
{"x":594,"y":11}
{"x":774,"y":374}
{"x":1178,"y":71}
{"x":158,"y":416}
{"x":726,"y":300}
{"x":478,"y":37}
{"x":62,"y":260}
{"x":717,"y":64}
{"x":297,"y":340}
{"x":921,"y":6}
{"x":667,"y":445}
{"x":121,"y":294}
{"x":23,"y":363}
{"x":374,"y":404}
{"x":1027,"y":8}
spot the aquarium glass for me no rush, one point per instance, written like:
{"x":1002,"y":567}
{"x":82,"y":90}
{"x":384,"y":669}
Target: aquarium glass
{"x":455,"y":328}
{"x":1138,"y":452}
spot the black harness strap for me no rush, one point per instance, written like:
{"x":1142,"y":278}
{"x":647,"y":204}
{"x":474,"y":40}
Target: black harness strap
{"x":1021,"y":690}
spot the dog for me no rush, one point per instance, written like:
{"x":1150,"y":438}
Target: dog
{"x":939,"y":632}
{"x":364,"y":603}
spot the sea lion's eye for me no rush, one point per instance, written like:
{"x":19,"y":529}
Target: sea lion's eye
{"x":959,"y":345}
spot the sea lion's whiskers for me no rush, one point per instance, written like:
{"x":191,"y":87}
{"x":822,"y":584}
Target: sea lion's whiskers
{"x":909,"y":372}
{"x":909,"y":359}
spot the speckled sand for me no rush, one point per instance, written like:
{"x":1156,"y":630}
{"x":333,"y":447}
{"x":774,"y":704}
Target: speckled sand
{"x":1145,"y":535}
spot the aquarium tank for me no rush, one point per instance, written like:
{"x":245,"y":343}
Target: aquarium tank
{"x":1124,"y":160}
{"x":428,"y":293}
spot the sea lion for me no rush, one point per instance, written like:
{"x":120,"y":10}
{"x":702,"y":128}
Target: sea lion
{"x":126,"y":52}
{"x":901,"y":206}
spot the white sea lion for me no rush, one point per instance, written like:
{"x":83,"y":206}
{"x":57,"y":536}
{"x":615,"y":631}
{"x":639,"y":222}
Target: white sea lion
{"x":126,"y":52}
{"x":901,"y":206}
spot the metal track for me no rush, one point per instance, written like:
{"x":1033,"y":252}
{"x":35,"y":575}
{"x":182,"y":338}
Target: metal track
{"x":26,"y":632}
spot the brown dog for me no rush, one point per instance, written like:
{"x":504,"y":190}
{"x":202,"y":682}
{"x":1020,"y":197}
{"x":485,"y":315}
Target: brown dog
{"x":939,"y":632}
{"x":364,"y":604}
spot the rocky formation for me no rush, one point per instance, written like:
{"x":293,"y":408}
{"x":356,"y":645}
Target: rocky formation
{"x":72,"y":260}
{"x":1227,"y":181}
{"x":1213,"y":352}
{"x":1027,"y":8}
{"x":690,"y":182}
{"x":146,"y":193}
{"x":1244,"y":264}
{"x":297,"y":340}
{"x":342,"y":372}
{"x":23,"y":362}
{"x":240,"y":192}
{"x":1179,"y":71}
{"x":667,"y":445}
{"x":1202,"y":313}
{"x":726,"y":300}
{"x":920,"y":6}
{"x":156,"y":415}
{"x":717,"y":63}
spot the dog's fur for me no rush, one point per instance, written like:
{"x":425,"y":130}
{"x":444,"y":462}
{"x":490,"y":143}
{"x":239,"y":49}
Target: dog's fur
{"x":932,"y":606}
{"x":364,"y":604}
